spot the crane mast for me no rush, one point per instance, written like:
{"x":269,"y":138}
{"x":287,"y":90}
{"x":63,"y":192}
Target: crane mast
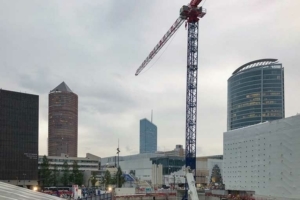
{"x":191,"y":96}
{"x":191,"y":14}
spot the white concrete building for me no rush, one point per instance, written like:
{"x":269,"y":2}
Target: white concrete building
{"x":143,"y":166}
{"x":204,"y":168}
{"x":264,"y":158}
{"x":175,"y":178}
{"x":204,"y":164}
{"x":89,"y":163}
{"x":157,"y":175}
{"x":139,"y":163}
{"x":86,"y":164}
{"x":178,"y":151}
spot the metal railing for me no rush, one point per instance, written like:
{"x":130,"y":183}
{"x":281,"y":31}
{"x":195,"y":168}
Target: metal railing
{"x":107,"y":196}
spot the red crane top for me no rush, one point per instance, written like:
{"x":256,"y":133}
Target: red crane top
{"x":195,"y":3}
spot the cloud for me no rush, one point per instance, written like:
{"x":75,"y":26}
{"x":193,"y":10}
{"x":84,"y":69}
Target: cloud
{"x":95,"y":47}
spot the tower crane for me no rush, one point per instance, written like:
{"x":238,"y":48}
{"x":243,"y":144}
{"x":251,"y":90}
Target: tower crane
{"x":190,"y":13}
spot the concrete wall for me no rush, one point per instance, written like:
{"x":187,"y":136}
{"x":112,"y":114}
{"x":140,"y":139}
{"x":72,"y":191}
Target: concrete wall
{"x":142,"y":167}
{"x":175,"y":177}
{"x":157,"y":177}
{"x":264,"y":158}
{"x":140,"y":163}
{"x":124,"y":191}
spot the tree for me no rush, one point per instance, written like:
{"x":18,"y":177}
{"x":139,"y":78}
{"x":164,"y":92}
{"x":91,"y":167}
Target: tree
{"x":45,"y":173}
{"x":93,"y":179}
{"x":65,"y":173}
{"x":55,"y":176}
{"x":120,"y":180}
{"x":132,"y":172}
{"x":106,"y":179}
{"x":76,"y":176}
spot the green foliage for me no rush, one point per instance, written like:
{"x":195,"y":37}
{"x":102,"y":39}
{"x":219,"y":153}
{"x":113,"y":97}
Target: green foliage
{"x":76,"y":177}
{"x":65,"y":173}
{"x":93,"y":179}
{"x":132,"y":172}
{"x":120,"y":180}
{"x":106,"y":179}
{"x":45,"y":173}
{"x":55,"y":176}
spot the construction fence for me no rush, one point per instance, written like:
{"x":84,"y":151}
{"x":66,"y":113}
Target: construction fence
{"x":107,"y":196}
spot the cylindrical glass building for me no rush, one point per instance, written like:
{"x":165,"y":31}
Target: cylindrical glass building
{"x":255,"y":93}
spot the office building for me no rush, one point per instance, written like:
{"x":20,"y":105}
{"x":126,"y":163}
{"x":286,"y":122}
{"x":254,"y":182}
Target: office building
{"x":87,"y":165}
{"x":63,"y":121}
{"x":148,"y":136}
{"x":19,"y":115}
{"x":178,"y":151}
{"x":264,"y":159}
{"x":255,"y":93}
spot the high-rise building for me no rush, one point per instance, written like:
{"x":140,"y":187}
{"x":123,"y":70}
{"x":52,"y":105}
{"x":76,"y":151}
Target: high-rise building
{"x":63,"y":121}
{"x":255,"y":93}
{"x":19,"y":115}
{"x":148,"y":136}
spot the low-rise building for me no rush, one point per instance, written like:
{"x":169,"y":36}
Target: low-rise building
{"x":204,"y":165}
{"x":87,"y":165}
{"x":208,"y":173}
{"x":178,"y":151}
{"x":160,"y":169}
{"x":264,"y":158}
{"x":140,"y":165}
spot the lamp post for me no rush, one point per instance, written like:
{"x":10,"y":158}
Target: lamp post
{"x":24,"y":179}
{"x":156,"y":176}
{"x":174,"y":181}
{"x":89,"y":179}
{"x":118,"y":176}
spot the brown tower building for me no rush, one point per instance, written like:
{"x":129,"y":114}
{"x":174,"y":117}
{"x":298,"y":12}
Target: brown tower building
{"x":63,"y":121}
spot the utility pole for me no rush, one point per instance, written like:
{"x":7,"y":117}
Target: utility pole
{"x":174,"y":182}
{"x":24,"y":179}
{"x":118,"y":176}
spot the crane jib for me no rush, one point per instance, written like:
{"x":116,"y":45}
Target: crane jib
{"x":161,"y":43}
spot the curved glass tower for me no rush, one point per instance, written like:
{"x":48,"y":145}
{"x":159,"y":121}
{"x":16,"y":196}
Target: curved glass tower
{"x":255,"y":93}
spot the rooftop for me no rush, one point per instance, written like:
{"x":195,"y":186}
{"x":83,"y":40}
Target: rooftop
{"x":256,"y":63}
{"x":62,"y":88}
{"x":9,"y":191}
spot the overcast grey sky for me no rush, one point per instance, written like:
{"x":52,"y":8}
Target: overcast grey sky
{"x":96,"y":46}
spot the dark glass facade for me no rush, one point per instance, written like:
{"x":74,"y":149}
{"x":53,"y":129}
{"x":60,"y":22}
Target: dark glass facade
{"x":19,"y":115}
{"x":148,"y":137}
{"x":63,"y":122}
{"x":256,"y":94}
{"x":170,"y":163}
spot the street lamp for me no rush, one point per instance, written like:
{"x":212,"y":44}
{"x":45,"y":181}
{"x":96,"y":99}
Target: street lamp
{"x":24,"y":179}
{"x":157,"y":167}
{"x":89,"y":179}
{"x":118,"y":152}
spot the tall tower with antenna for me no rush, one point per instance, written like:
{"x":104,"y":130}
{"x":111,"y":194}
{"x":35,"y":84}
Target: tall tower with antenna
{"x":148,"y":135}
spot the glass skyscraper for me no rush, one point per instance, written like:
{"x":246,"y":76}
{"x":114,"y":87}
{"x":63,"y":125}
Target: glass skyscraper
{"x":148,"y":136}
{"x":255,"y":93}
